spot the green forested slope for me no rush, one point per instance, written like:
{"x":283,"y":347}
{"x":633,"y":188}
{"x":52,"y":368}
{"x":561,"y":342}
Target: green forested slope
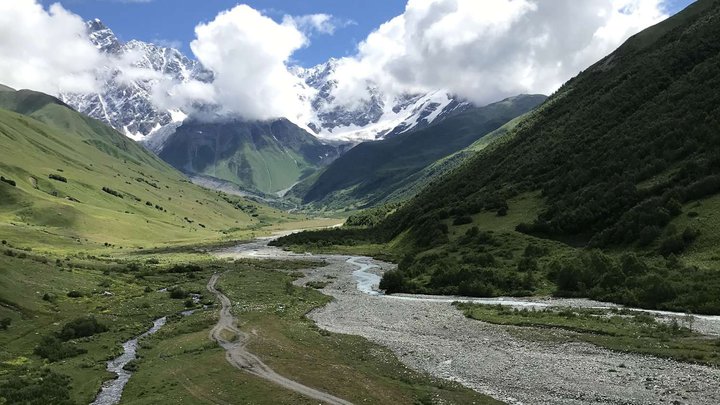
{"x":372,"y":173}
{"x":625,"y":158}
{"x":72,"y":181}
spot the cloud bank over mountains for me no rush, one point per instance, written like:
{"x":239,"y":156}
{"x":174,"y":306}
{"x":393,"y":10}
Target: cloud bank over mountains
{"x":479,"y":50}
{"x":487,"y":50}
{"x":248,"y":54}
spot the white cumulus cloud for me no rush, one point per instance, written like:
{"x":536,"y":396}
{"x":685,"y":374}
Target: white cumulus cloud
{"x":490,"y":49}
{"x":322,"y":23}
{"x":45,"y":50}
{"x":248,"y":54}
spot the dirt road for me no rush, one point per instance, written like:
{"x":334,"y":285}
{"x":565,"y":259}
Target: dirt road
{"x":239,"y":357}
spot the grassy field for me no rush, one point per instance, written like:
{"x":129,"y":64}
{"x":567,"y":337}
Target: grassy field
{"x":620,"y":330}
{"x":272,"y":311}
{"x":180,"y":364}
{"x":35,"y":295}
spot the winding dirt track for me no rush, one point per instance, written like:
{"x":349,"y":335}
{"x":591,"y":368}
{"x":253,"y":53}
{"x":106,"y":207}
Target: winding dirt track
{"x":239,"y":357}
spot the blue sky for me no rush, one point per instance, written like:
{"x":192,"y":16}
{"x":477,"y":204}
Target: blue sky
{"x":173,"y":21}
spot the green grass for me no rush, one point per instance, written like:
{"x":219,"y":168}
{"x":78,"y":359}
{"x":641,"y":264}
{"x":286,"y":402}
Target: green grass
{"x":180,"y":365}
{"x":620,"y":330}
{"x":262,"y":157}
{"x":273,"y":169}
{"x":703,"y":215}
{"x":127,"y":311}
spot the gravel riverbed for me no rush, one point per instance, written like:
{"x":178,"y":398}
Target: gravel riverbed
{"x":439,"y":339}
{"x":506,"y":362}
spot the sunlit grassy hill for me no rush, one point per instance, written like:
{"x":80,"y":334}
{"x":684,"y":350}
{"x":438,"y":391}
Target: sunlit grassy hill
{"x":71,"y":180}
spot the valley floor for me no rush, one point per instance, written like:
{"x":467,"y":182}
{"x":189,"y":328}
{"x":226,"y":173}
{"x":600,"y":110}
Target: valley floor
{"x":513,"y":364}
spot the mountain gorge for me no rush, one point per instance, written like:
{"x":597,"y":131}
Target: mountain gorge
{"x":377,"y":172}
{"x":258,"y":157}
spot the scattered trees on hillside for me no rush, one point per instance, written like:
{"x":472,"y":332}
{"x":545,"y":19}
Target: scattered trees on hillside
{"x":112,"y":192}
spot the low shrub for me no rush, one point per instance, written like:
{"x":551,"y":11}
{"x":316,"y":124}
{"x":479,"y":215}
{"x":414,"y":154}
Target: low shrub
{"x":81,"y":327}
{"x":184,"y":268}
{"x":177,"y":293}
{"x":8,"y":181}
{"x":57,"y":177}
{"x":462,"y":220}
{"x":53,"y":349}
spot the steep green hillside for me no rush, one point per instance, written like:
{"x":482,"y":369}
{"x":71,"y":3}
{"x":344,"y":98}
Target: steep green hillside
{"x":72,"y":181}
{"x":625,"y":158}
{"x":372,"y":172}
{"x":260,"y":156}
{"x":443,"y":166}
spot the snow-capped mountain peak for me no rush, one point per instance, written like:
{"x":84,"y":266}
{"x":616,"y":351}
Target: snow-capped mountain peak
{"x":126,"y":100}
{"x":103,"y":37}
{"x":378,"y":116}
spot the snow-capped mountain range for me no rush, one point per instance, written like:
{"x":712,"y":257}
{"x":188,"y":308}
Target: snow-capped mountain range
{"x":375,"y":118}
{"x":126,"y":100}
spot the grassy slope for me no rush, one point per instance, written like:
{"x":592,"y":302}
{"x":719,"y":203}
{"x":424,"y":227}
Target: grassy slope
{"x":372,"y":172}
{"x":127,"y":312}
{"x":52,"y":139}
{"x":261,"y":156}
{"x":624,"y":156}
{"x":417,"y":181}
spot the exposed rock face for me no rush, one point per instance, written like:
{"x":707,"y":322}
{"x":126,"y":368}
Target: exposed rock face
{"x":126,"y":102}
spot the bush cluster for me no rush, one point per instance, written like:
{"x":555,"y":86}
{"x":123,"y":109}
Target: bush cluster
{"x":8,"y":181}
{"x":34,"y":387}
{"x":57,"y":177}
{"x":57,"y":346}
{"x":112,"y":192}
